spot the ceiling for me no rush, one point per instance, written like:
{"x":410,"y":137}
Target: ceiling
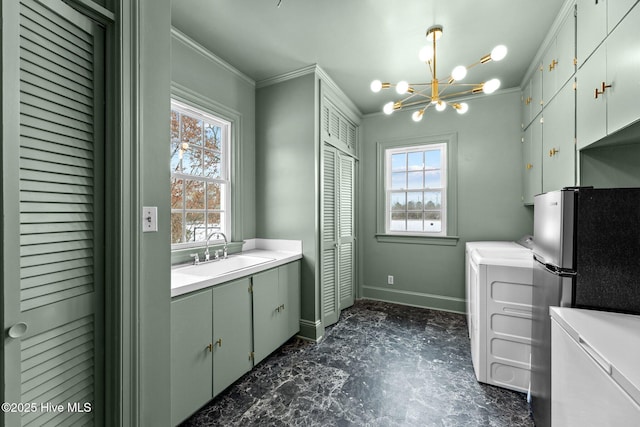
{"x":357,"y":41}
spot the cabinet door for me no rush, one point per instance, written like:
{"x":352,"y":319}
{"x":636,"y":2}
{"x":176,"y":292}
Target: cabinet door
{"x":191,"y":359}
{"x":329,"y":298}
{"x":616,"y":9}
{"x":550,"y":72}
{"x":232,"y":334}
{"x":346,"y":231}
{"x":558,"y":154}
{"x":591,"y":27}
{"x":623,"y":73}
{"x":591,"y":112}
{"x":537,"y":99}
{"x":566,"y":51}
{"x":526,"y":105}
{"x":289,"y":277}
{"x":266,"y":314}
{"x":531,"y":155}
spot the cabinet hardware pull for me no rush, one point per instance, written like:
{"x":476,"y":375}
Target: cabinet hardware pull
{"x":219,"y":342}
{"x":553,"y":64}
{"x":529,"y":166}
{"x":553,"y":152}
{"x":604,"y":88}
{"x":210,"y":347}
{"x":282,"y":306}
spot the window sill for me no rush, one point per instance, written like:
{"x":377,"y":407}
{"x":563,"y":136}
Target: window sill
{"x":417,"y":239}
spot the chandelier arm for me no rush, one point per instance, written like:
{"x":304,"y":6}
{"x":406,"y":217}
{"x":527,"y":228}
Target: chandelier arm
{"x":456,"y":94}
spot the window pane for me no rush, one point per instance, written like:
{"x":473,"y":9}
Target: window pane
{"x":192,"y":162}
{"x":213,"y":223}
{"x":432,"y":200}
{"x":415,"y":161}
{"x":212,"y":136}
{"x":432,"y":179}
{"x":399,"y":161}
{"x":414,"y":221}
{"x":191,"y":130}
{"x":398,"y":202}
{"x":175,"y":126}
{"x":398,"y":180}
{"x":433,"y":221}
{"x":214,"y":196}
{"x":433,"y":159}
{"x":194,"y":194}
{"x":212,"y":164}
{"x":176,"y":193}
{"x":414,"y":201}
{"x":415,"y":180}
{"x":398,"y":221}
{"x":195,"y":227}
{"x":176,"y":158}
{"x":176,"y":228}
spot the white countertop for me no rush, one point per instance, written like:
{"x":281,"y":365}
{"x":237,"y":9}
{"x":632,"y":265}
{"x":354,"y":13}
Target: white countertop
{"x":614,"y":336}
{"x":262,"y":254}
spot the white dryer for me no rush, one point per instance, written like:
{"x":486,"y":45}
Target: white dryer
{"x":499,"y":296}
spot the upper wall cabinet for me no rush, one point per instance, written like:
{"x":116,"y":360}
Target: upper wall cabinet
{"x":608,"y":85}
{"x":532,"y":97}
{"x":596,"y":19}
{"x":558,"y":141}
{"x":592,"y":27}
{"x":560,"y":59}
{"x":336,"y":128}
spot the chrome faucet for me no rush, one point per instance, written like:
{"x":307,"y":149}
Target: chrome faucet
{"x":224,"y":249}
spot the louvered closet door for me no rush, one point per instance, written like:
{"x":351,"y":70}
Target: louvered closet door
{"x":346,"y":230}
{"x":329,"y":298}
{"x":61,"y":216}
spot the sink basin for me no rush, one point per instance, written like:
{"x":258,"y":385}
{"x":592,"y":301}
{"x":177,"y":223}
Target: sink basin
{"x":218,"y":268}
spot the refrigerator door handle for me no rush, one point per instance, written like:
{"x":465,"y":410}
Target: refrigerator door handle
{"x":554,"y":269}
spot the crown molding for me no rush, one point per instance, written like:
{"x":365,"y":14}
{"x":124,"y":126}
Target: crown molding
{"x":185,"y":39}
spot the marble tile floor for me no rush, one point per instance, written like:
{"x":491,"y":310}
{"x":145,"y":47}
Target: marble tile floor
{"x":381,"y":365}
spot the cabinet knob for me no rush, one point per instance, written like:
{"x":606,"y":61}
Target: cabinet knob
{"x":17,"y":330}
{"x":553,"y":152}
{"x":553,"y":64}
{"x":529,"y":166}
{"x":219,"y":342}
{"x":210,"y":347}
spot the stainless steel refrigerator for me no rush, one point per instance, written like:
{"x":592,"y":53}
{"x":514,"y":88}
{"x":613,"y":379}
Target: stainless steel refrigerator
{"x":587,"y":254}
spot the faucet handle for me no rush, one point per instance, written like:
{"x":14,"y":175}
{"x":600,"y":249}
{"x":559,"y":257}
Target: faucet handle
{"x":196,"y":258}
{"x":216,"y":254}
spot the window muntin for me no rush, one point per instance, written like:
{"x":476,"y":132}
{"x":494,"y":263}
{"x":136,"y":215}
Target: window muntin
{"x":415,"y":190}
{"x":200,"y":183}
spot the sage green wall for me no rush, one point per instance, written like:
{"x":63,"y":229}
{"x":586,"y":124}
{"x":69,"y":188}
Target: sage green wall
{"x":286,"y":175}
{"x":151,"y":185}
{"x":612,"y":166}
{"x":208,"y":78}
{"x":489,"y":200}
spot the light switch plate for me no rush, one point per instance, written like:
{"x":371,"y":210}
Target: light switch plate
{"x":149,"y":219}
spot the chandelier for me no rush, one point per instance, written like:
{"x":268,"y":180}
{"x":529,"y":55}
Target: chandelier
{"x":439,"y":93}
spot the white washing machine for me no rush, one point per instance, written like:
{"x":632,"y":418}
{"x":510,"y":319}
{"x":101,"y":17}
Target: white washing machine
{"x":499,"y":296}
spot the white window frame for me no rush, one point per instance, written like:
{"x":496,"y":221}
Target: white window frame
{"x":224,"y":180}
{"x":389,"y":152}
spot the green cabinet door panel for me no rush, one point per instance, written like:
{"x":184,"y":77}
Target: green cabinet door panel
{"x":289,"y":278}
{"x":266,"y":314}
{"x":559,"y":152}
{"x":532,"y":159}
{"x":591,"y":27}
{"x":232,"y":333}
{"x":623,"y":71}
{"x":591,"y":112}
{"x":191,"y":353}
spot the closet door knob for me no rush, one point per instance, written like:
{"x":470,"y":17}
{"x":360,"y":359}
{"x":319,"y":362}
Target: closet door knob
{"x":17,"y":330}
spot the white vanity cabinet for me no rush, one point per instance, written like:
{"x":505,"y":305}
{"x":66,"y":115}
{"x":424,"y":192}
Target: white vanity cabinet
{"x":595,"y":375}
